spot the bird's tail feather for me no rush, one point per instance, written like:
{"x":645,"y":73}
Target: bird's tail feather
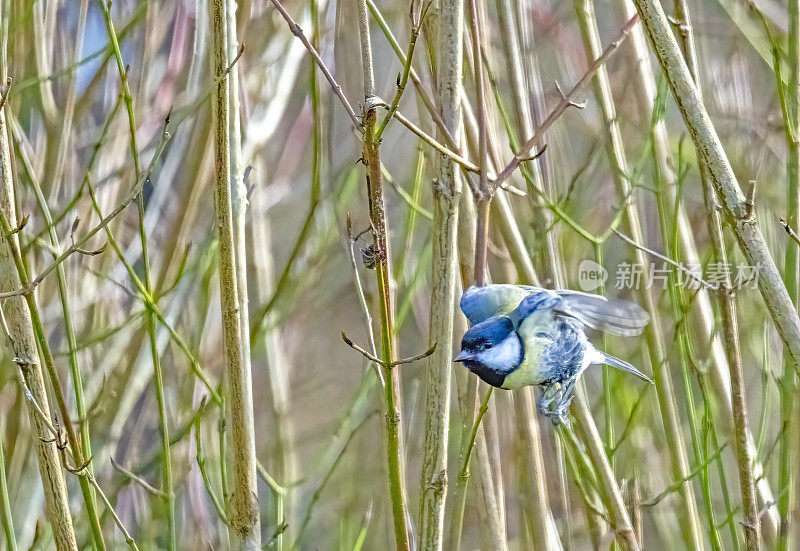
{"x":608,"y":359}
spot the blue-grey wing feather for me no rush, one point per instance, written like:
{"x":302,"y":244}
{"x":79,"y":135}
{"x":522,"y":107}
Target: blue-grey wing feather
{"x":617,"y":317}
{"x":481,"y":303}
{"x":536,"y":302}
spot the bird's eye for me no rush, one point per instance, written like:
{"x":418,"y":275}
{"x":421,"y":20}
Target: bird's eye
{"x":487,"y":346}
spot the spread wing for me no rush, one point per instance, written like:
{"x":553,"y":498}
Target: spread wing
{"x":617,"y":317}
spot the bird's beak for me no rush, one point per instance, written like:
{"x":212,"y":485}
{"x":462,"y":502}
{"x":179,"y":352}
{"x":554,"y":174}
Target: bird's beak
{"x":463,"y":355}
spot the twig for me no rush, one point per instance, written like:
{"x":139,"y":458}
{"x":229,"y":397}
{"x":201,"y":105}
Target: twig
{"x":337,"y":89}
{"x":416,"y":27}
{"x":668,"y":260}
{"x":362,"y":299}
{"x":80,"y":473}
{"x":566,"y":101}
{"x":133,"y":477}
{"x":375,"y":359}
{"x":676,"y":485}
{"x":464,"y":163}
{"x":789,"y":230}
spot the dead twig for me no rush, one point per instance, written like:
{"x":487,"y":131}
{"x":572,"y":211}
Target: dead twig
{"x":566,"y":101}
{"x":393,"y":363}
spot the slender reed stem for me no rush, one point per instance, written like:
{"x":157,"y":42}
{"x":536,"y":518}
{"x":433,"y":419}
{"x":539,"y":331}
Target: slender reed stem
{"x":788,"y":457}
{"x":620,"y":169}
{"x":243,"y":515}
{"x":444,"y":274}
{"x":381,"y":246}
{"x":8,"y":521}
{"x":738,"y":210}
{"x":158,"y":379}
{"x":460,"y":496}
{"x":626,"y":537}
{"x":720,"y":371}
{"x":18,"y":318}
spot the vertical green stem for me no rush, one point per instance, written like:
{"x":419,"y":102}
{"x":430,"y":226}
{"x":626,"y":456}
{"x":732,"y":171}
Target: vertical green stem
{"x":619,"y":171}
{"x":8,"y":522}
{"x":787,"y":466}
{"x":158,"y":380}
{"x":392,"y":394}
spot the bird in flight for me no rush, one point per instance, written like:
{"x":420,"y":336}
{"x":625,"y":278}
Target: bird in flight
{"x":521,"y":335}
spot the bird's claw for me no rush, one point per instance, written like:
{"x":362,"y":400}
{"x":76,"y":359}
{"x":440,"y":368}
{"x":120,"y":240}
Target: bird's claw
{"x":555,"y":402}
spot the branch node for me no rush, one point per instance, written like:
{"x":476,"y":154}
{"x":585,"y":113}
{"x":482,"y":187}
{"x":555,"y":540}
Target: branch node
{"x":749,"y":213}
{"x":565,"y":99}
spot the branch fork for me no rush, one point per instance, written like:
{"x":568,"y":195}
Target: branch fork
{"x":385,"y":364}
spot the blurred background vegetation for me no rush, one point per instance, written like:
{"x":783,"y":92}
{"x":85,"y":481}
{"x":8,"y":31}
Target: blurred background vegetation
{"x":135,"y":341}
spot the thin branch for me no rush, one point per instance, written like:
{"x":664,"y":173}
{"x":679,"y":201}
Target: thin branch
{"x":668,"y":260}
{"x":337,"y":89}
{"x":375,"y":359}
{"x":789,"y":230}
{"x":566,"y":101}
{"x":133,"y":477}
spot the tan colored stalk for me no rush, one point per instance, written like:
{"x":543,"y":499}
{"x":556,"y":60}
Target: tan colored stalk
{"x":738,"y":210}
{"x":238,"y":189}
{"x":537,"y":503}
{"x":20,"y":327}
{"x":537,"y":491}
{"x":245,"y":526}
{"x":787,"y":454}
{"x":623,"y":529}
{"x":744,"y":458}
{"x":278,"y":369}
{"x":525,"y":119}
{"x":446,"y":198}
{"x":690,"y":523}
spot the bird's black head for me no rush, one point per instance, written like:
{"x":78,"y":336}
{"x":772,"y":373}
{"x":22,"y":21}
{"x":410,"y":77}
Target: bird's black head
{"x":491,"y":350}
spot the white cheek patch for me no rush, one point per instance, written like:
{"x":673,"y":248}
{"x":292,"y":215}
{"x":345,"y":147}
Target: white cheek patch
{"x":503,"y":357}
